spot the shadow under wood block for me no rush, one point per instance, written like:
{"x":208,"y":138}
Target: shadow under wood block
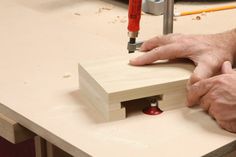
{"x":106,"y":83}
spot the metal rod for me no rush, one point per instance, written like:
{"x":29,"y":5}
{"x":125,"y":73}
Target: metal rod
{"x":131,"y":41}
{"x":168,"y":16}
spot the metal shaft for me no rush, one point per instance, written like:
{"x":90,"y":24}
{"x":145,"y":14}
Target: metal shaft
{"x":168,"y":16}
{"x":131,"y":41}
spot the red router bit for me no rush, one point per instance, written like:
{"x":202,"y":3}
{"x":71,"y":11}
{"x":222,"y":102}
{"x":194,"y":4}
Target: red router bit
{"x":153,"y":109}
{"x":135,"y":7}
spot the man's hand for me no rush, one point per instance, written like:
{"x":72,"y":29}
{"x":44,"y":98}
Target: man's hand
{"x":208,"y":52}
{"x":217,"y":95}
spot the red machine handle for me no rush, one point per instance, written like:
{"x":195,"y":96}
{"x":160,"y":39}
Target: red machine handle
{"x":134,"y":15}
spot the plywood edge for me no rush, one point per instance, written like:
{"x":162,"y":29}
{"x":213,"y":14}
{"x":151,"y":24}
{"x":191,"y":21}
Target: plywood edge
{"x":13,"y":131}
{"x":108,"y":111}
{"x":153,"y":90}
{"x":93,"y":99}
{"x":83,"y":74}
{"x":98,"y":98}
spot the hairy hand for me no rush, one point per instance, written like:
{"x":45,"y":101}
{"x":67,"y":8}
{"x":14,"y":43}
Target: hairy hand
{"x":208,"y":52}
{"x":217,"y":95}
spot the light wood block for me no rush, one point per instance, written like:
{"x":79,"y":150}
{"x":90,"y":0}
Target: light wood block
{"x":108,"y":82}
{"x":13,"y":131}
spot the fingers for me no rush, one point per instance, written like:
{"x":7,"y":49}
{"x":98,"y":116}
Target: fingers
{"x":197,"y":90}
{"x":202,"y":71}
{"x":205,"y":103}
{"x":170,"y":51}
{"x":227,"y":68}
{"x":154,"y":42}
{"x":229,"y":126}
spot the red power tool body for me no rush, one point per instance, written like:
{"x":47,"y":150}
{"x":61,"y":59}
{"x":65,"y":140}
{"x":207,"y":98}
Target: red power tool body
{"x":134,"y":16}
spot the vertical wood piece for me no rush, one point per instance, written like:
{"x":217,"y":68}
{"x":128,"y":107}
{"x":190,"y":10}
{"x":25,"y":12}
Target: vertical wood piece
{"x":53,"y":151}
{"x":40,"y":147}
{"x":49,"y":147}
{"x":46,"y":149}
{"x":108,"y":82}
{"x":13,"y":131}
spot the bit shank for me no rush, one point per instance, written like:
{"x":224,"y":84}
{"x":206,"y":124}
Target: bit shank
{"x":168,"y":17}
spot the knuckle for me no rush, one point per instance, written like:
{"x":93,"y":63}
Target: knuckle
{"x":176,"y":37}
{"x":212,"y":112}
{"x":211,"y":61}
{"x":228,"y":125}
{"x":156,"y":50}
{"x":219,"y":112}
{"x":234,"y":127}
{"x":215,"y":111}
{"x":222,"y":124}
{"x":213,"y":97}
{"x":220,"y":81}
{"x":157,"y":38}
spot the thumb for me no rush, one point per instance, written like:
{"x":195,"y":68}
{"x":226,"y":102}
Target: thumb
{"x":202,"y":71}
{"x":227,"y":68}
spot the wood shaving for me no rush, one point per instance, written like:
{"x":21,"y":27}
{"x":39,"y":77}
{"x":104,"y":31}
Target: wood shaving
{"x":123,"y":20}
{"x":99,"y":11}
{"x":78,"y":14}
{"x":203,"y":14}
{"x":197,"y":18}
{"x":120,"y":19}
{"x":114,"y":21}
{"x":108,"y":8}
{"x":66,"y":75}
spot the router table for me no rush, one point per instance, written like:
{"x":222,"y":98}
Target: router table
{"x":41,"y":44}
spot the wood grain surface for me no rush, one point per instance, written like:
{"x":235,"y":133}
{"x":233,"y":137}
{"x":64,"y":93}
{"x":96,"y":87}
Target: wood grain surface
{"x":41,"y":44}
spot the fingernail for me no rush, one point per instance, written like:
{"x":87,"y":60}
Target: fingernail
{"x":132,"y":60}
{"x":187,"y":103}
